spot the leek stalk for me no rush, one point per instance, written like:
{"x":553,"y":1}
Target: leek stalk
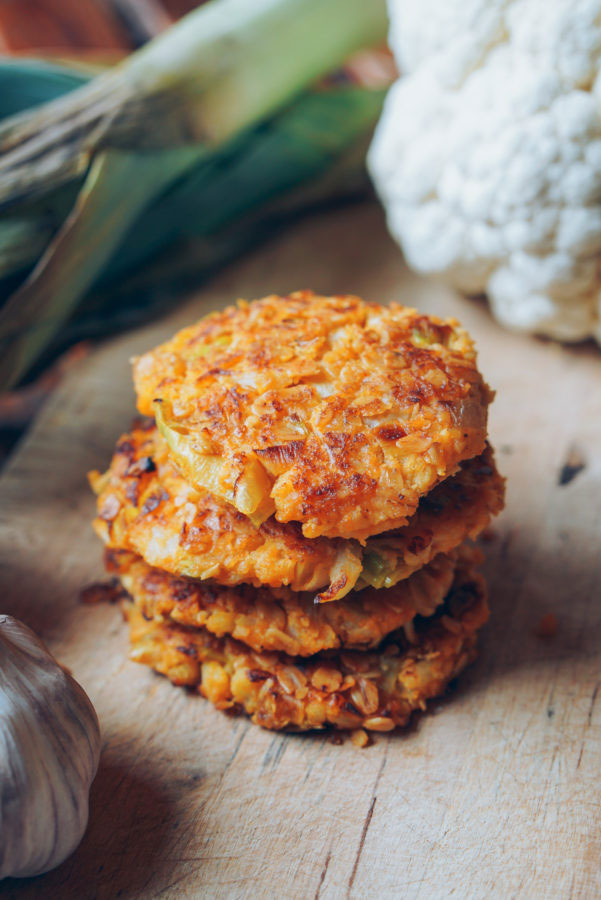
{"x":134,"y":131}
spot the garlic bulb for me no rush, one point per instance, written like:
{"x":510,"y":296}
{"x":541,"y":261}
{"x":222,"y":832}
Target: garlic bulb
{"x":49,"y":749}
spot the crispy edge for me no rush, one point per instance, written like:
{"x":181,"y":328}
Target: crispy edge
{"x":377,"y":691}
{"x":285,"y":621}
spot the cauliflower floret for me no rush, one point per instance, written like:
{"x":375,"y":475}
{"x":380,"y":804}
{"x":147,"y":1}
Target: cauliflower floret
{"x":488,"y":154}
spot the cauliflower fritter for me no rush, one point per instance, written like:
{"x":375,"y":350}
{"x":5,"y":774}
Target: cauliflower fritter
{"x":285,"y":620}
{"x":375,"y":690}
{"x":328,"y":411}
{"x":146,"y":506}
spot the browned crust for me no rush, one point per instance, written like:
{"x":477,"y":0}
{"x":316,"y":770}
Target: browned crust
{"x":146,"y":506}
{"x":375,"y":690}
{"x":460,"y":507}
{"x":283,"y":620}
{"x":354,"y":410}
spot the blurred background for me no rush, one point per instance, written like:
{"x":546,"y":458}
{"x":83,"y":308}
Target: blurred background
{"x":96,"y":29}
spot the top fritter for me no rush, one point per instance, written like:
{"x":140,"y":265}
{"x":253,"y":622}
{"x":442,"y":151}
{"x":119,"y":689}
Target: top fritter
{"x":328,"y":411}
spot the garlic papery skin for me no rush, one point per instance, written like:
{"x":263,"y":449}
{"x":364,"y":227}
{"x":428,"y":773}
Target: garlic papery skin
{"x":49,"y":750}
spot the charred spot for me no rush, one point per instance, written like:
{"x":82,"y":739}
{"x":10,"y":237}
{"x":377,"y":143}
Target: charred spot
{"x":391,"y":432}
{"x":144,"y":423}
{"x":181,"y":590}
{"x":333,"y":589}
{"x":343,"y":445}
{"x":142,"y":465}
{"x":336,"y":440}
{"x":216,"y":370}
{"x":125,"y":448}
{"x":214,"y":411}
{"x":324,"y":490}
{"x":281,"y":453}
{"x":258,"y":675}
{"x":235,"y":397}
{"x":132,"y":490}
{"x":188,"y":650}
{"x":155,"y":500}
{"x":258,"y":356}
{"x":113,"y":558}
{"x":360,"y":482}
{"x":405,"y":396}
{"x":350,"y":707}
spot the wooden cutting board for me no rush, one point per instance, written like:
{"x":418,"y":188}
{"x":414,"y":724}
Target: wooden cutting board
{"x":496,"y":793}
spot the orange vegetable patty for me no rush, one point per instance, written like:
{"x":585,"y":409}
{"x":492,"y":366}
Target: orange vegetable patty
{"x":327,"y":411}
{"x":376,"y":690}
{"x":285,"y":620}
{"x":146,"y":506}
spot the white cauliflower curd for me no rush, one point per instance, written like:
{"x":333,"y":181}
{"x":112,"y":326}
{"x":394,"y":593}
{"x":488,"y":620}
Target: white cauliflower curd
{"x":488,"y":154}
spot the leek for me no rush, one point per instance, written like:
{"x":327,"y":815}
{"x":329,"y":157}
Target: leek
{"x":126,"y":137}
{"x":311,"y":153}
{"x":205,"y":470}
{"x":251,"y":492}
{"x":344,"y":574}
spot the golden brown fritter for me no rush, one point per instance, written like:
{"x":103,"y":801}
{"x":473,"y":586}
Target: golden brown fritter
{"x":146,"y":506}
{"x":284,"y":620}
{"x":375,"y":690}
{"x":460,"y":507}
{"x":328,"y":411}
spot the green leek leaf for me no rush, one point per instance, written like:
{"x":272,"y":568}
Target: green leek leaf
{"x":183,"y":104}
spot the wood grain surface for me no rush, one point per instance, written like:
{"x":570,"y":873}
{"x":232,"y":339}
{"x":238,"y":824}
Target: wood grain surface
{"x":496,"y":793}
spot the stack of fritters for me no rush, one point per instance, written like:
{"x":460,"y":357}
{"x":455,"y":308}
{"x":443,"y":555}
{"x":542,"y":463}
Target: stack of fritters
{"x":289,"y":522}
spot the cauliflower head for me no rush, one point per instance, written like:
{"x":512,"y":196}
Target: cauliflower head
{"x":488,"y":154}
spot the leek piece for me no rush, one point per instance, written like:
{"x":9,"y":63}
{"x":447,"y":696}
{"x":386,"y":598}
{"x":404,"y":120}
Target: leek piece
{"x":249,"y":495}
{"x":252,"y":493}
{"x":378,"y":572}
{"x":206,"y":471}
